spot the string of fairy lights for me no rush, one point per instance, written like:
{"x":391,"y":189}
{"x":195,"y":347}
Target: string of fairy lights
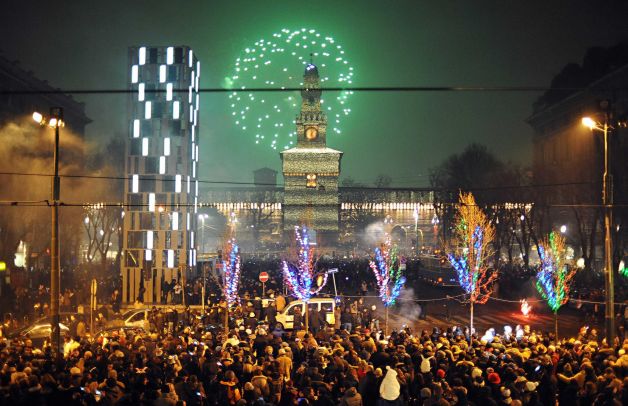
{"x":388,"y":274}
{"x":269,"y":64}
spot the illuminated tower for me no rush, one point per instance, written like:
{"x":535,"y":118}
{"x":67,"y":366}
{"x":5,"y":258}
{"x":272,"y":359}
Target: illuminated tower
{"x":311,"y":169}
{"x":161,"y":193}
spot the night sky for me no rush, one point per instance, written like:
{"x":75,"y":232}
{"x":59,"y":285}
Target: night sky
{"x":83,"y":44}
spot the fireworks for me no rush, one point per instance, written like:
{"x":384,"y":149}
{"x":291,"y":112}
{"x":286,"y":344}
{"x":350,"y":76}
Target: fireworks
{"x":278,"y":62}
{"x":387,"y":270}
{"x":526,"y":308}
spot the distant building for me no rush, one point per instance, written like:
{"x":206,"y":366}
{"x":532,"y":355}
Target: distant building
{"x":568,"y":157}
{"x":14,"y":77}
{"x":161,"y":194}
{"x":311,"y":169}
{"x":265,"y":178}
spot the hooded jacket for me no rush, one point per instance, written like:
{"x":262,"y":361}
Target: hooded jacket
{"x":390,"y":388}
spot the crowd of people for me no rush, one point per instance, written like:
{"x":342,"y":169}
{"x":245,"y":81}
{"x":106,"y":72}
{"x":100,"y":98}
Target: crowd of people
{"x":179,"y":360}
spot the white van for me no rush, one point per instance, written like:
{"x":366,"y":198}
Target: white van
{"x":326,"y":306}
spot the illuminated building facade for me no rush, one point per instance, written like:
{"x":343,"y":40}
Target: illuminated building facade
{"x":311,"y":169}
{"x":161,"y":193}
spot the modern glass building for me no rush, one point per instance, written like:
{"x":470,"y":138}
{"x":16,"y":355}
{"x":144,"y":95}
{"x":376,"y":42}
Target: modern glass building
{"x":161,"y":191}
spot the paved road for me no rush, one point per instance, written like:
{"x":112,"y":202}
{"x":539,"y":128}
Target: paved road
{"x":494,"y":314}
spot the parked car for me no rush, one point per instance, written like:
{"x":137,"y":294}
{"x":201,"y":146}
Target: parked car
{"x":326,"y":306}
{"x":110,"y":331}
{"x":133,"y":318}
{"x":38,"y":331}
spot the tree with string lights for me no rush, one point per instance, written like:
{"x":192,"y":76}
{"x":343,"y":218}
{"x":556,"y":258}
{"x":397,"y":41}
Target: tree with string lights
{"x":299,"y":276}
{"x":231,"y":277}
{"x":472,"y":254}
{"x":554,"y":277}
{"x":387,"y":270}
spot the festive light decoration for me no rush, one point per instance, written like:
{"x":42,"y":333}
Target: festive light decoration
{"x":470,"y":258}
{"x":231,"y":277}
{"x":526,"y":308}
{"x":299,"y":277}
{"x":623,"y":268}
{"x":276,"y":63}
{"x":554,"y":276}
{"x":387,"y":270}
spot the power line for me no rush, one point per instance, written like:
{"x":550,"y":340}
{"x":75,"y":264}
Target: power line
{"x":348,"y":188}
{"x":379,"y":89}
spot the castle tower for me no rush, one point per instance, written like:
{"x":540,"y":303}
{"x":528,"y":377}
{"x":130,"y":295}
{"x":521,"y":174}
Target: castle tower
{"x":311,"y":169}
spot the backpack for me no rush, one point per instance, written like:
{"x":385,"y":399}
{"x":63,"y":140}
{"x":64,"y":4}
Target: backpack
{"x":426,"y":366}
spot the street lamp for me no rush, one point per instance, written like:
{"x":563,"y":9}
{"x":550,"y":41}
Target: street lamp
{"x":54,"y":121}
{"x":563,"y":229}
{"x":607,"y":202}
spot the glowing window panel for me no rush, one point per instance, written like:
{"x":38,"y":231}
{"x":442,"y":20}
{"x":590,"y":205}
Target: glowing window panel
{"x":169,"y":55}
{"x":190,"y":58}
{"x":188,"y":221}
{"x":169,"y":91}
{"x":196,"y":187}
{"x":162,"y":73}
{"x":198,"y":101}
{"x":176,"y":110}
{"x":198,"y":69}
{"x":177,"y":184}
{"x":195,"y":205}
{"x":197,"y":153}
{"x":196,"y":84}
{"x":149,"y":240}
{"x":136,"y":128}
{"x":193,"y":169}
{"x":191,"y":238}
{"x":162,"y":165}
{"x":191,"y":115}
{"x":135,"y":184}
{"x":148,"y":110}
{"x":142,"y":55}
{"x":148,"y":255}
{"x":192,"y":152}
{"x":140,"y":92}
{"x":190,"y":94}
{"x":170,"y":258}
{"x":135,"y":73}
{"x":151,"y":202}
{"x":193,"y":133}
{"x":167,"y":146}
{"x":193,"y":257}
{"x":144,"y":146}
{"x":188,"y":185}
{"x":195,"y":116}
{"x":175,"y":220}
{"x":192,"y":79}
{"x":190,"y":258}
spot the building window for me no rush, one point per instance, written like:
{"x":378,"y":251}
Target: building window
{"x":311,"y":180}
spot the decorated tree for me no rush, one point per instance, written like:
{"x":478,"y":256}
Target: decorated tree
{"x":387,"y":270}
{"x":554,"y":276}
{"x":471,"y":256}
{"x":299,"y":276}
{"x":231,"y":277}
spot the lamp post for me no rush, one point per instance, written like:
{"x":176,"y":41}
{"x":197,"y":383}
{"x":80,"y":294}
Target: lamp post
{"x":607,"y":202}
{"x":54,"y":121}
{"x":202,"y":217}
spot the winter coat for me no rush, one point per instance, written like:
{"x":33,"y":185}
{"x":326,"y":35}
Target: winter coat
{"x":351,"y":398}
{"x":390,"y":388}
